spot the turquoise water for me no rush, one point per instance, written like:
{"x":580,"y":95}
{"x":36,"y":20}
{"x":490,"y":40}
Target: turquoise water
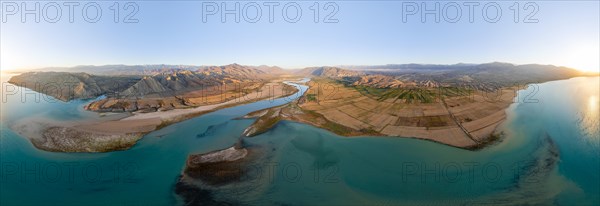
{"x":300,"y":164}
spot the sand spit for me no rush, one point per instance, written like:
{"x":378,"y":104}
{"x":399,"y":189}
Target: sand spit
{"x":66,"y":136}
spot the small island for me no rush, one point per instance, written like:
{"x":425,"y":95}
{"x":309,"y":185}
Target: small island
{"x":463,"y":111}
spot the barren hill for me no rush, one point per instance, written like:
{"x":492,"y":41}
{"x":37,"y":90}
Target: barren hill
{"x":67,"y":86}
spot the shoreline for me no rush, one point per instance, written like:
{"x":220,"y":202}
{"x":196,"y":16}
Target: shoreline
{"x":121,"y":134}
{"x":145,"y":123}
{"x":470,"y":135}
{"x":256,"y":129}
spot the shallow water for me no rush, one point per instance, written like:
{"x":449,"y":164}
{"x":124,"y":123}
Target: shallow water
{"x":301,"y":164}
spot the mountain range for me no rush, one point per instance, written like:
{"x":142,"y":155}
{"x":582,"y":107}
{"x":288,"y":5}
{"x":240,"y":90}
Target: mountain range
{"x":66,"y":85}
{"x":169,"y":80}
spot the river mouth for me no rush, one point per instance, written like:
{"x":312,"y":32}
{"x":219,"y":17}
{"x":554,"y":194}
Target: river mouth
{"x":301,"y":164}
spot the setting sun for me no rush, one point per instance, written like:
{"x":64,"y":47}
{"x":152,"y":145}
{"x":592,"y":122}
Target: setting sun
{"x":583,"y":58}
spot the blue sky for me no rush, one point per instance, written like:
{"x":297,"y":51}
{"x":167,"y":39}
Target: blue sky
{"x":367,"y":33}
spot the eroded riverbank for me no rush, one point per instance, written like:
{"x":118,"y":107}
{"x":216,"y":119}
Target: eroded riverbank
{"x":105,"y":135}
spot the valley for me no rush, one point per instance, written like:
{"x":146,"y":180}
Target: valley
{"x":457,"y":105}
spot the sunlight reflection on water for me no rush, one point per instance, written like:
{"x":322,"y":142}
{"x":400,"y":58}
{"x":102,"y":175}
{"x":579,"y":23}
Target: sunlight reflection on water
{"x":590,"y":117}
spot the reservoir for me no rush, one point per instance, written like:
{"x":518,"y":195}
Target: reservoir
{"x":550,"y":154}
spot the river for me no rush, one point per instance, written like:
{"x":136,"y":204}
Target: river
{"x":550,"y":155}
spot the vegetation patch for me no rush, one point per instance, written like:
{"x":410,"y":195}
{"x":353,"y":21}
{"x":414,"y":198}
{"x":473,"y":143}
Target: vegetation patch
{"x":412,"y":95}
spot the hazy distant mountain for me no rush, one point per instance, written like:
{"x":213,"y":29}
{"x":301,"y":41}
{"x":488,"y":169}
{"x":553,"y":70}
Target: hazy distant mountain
{"x":233,"y":71}
{"x":115,"y":70}
{"x":144,"y":70}
{"x":409,"y":67}
{"x":272,"y":69}
{"x":491,"y":75}
{"x":168,"y":79}
{"x":332,"y":72}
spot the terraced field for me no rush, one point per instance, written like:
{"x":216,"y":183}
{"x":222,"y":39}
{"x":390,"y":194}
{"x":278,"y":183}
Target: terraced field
{"x":413,"y":95}
{"x":455,"y":116}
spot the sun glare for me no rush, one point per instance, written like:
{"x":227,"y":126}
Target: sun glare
{"x":584,"y":58}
